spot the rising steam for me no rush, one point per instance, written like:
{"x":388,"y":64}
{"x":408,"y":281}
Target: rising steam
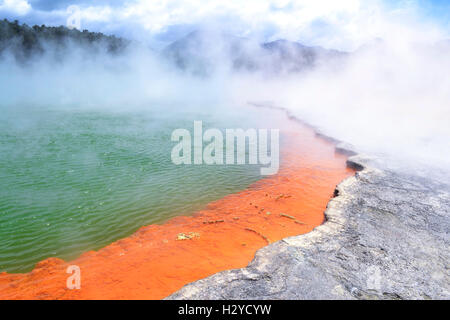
{"x":389,"y":97}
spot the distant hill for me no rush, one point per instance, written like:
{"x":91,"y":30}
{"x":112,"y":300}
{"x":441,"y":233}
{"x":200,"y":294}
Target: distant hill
{"x":200,"y":52}
{"x":296,"y":57}
{"x":23,"y":41}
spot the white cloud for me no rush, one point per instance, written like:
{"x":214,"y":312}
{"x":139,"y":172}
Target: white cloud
{"x":19,"y":7}
{"x":343,"y":24}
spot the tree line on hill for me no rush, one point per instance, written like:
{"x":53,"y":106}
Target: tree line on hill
{"x":23,"y":41}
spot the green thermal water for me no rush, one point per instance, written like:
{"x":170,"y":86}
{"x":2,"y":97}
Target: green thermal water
{"x":74,"y":180}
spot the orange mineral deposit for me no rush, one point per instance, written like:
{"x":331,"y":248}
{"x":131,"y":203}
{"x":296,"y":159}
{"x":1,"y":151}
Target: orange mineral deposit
{"x":160,"y":259}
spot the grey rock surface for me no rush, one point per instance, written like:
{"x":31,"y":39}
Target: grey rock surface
{"x":386,"y":237}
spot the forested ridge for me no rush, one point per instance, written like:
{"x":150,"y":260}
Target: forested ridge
{"x":23,"y":41}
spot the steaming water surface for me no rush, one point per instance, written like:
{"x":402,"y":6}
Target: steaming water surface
{"x":75,"y":179}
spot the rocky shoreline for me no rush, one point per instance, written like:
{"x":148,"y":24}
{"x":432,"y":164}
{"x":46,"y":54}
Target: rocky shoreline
{"x":386,"y":236}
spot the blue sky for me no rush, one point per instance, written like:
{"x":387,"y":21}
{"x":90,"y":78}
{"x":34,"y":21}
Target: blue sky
{"x":438,"y":10}
{"x":343,"y":24}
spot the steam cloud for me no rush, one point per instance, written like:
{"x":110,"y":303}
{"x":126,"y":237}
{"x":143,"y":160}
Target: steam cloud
{"x":389,"y":97}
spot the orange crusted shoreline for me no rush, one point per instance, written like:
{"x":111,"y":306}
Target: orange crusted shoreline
{"x":159,"y":259}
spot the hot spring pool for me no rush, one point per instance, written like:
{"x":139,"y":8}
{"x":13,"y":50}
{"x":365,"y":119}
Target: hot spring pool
{"x":77,"y":179}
